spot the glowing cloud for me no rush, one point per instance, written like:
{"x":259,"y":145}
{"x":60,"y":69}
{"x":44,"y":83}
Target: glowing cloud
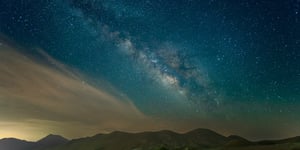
{"x":39,"y":99}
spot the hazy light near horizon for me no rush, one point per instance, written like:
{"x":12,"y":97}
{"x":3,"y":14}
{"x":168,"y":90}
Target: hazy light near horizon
{"x":38,"y":99}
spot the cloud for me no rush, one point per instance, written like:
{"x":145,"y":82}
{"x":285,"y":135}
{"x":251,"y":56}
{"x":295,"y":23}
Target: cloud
{"x":38,"y":98}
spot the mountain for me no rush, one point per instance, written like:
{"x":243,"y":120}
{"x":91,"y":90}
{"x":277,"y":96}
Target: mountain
{"x":199,"y":139}
{"x":237,"y":141}
{"x":49,"y":141}
{"x":271,"y":142}
{"x":205,"y":137}
{"x":167,"y":140}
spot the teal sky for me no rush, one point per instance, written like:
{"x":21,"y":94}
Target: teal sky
{"x":232,"y":66}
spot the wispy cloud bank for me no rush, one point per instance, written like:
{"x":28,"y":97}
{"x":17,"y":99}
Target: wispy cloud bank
{"x":47,"y":99}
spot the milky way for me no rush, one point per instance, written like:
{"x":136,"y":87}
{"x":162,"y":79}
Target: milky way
{"x":229,"y":66}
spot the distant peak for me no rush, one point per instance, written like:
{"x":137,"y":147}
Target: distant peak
{"x":202,"y":130}
{"x":166,"y":131}
{"x":236,"y":137}
{"x":53,"y":137}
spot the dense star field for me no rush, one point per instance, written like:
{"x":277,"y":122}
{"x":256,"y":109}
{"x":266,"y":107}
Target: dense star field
{"x":81,"y":67}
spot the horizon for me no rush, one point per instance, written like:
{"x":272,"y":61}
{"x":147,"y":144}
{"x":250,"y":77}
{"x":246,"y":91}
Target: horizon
{"x":149,"y":131}
{"x":78,"y":68}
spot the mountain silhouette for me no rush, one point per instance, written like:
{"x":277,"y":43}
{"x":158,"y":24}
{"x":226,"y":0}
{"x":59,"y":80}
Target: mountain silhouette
{"x":161,"y":140}
{"x":15,"y":144}
{"x":237,"y":141}
{"x":49,"y":141}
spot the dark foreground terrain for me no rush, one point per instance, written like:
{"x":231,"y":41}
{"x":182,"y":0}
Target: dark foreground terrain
{"x":162,"y":140}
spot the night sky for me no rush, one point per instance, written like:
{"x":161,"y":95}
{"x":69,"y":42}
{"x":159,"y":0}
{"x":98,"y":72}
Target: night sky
{"x":81,"y":67}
